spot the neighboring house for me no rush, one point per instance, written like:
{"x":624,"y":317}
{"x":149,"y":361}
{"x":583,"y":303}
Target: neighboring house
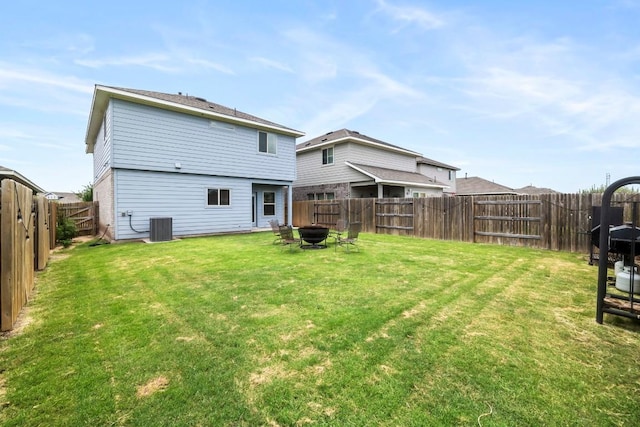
{"x":63,"y":197}
{"x":209,"y":168}
{"x":440,"y":172}
{"x":476,"y":186}
{"x":346,"y":164}
{"x":17,"y":177}
{"x":534,"y":191}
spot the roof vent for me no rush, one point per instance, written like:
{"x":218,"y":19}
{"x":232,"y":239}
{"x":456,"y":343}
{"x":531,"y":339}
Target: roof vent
{"x":329,"y":133}
{"x":200,"y":99}
{"x":325,"y":139}
{"x":355,"y":131}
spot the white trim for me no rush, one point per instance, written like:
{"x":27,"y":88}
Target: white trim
{"x":102,"y":94}
{"x":358,"y":140}
{"x":17,"y":177}
{"x":274,"y":135}
{"x":218,"y":206}
{"x":379,"y":180}
{"x":333,"y":156}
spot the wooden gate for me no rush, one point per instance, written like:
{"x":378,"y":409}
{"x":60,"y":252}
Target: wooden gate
{"x":394,"y":216}
{"x":83,"y":214}
{"x":326,"y":213}
{"x":508,"y":221}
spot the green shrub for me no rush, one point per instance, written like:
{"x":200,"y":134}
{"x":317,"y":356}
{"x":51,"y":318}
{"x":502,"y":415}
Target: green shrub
{"x":65,"y":231}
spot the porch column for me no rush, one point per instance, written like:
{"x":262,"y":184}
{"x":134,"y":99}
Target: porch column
{"x":289,"y":204}
{"x":380,"y":191}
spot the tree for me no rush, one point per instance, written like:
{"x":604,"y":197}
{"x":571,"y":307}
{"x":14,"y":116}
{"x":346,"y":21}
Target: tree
{"x":600,"y":189}
{"x":86,"y":194}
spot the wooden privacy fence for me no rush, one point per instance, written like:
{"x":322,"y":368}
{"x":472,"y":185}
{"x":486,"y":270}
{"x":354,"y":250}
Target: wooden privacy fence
{"x":83,"y":214}
{"x":27,"y":234}
{"x":549,"y":221}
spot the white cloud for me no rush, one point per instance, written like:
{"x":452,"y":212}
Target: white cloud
{"x":156,"y":61}
{"x":270,"y":63}
{"x":203,"y":63}
{"x":410,"y":15}
{"x":9,"y":76}
{"x":162,"y":62}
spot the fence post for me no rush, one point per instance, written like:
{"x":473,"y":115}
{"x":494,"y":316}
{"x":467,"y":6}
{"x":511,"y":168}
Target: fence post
{"x":6,"y":255}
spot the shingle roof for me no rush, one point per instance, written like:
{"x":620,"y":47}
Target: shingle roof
{"x":176,"y":102}
{"x":344,"y":135}
{"x":200,"y":103}
{"x":530,"y":189}
{"x":477,"y":185}
{"x":431,"y":162}
{"x":386,"y":175}
{"x":16,"y":176}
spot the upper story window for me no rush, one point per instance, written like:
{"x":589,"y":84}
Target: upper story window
{"x":451,"y":174}
{"x":218,"y":197}
{"x":267,"y":142}
{"x":327,"y":156}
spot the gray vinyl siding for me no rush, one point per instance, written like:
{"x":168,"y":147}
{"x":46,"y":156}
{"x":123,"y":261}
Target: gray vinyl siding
{"x":102,"y":148}
{"x":147,"y":138}
{"x":262,"y":219}
{"x":181,"y":197}
{"x":311,"y":171}
{"x":441,"y":175}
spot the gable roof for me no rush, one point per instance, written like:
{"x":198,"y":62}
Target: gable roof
{"x":532,"y":190}
{"x":474,"y":185}
{"x":431,"y":162}
{"x":64,"y":197}
{"x":346,"y":135}
{"x":174,"y":102}
{"x":396,"y":177}
{"x":17,"y":177}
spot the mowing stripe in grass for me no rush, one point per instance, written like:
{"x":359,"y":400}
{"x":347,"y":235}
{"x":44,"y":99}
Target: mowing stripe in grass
{"x":229,"y":330}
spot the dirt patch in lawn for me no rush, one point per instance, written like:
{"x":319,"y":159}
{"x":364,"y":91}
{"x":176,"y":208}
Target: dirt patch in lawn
{"x":155,"y":385}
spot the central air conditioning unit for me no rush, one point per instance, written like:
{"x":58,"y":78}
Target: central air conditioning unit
{"x":160,"y":229}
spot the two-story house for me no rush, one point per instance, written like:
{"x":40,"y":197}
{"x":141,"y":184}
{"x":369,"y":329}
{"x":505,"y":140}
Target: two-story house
{"x":346,"y":164}
{"x":209,"y":168}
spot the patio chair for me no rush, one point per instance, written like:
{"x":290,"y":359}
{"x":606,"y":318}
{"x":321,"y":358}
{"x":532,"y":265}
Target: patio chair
{"x":351,"y":241}
{"x":337,"y":231}
{"x":286,"y":237}
{"x":275,"y":227}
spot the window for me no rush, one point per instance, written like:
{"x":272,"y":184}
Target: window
{"x":321,"y":196}
{"x":267,"y":142}
{"x":269,"y":203}
{"x":451,"y":175}
{"x":327,"y":156}
{"x":218,"y":197}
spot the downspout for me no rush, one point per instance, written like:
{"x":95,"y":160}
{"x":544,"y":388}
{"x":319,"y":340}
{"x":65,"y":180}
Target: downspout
{"x":289,"y":204}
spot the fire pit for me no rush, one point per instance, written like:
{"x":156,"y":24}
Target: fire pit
{"x":314,"y":235}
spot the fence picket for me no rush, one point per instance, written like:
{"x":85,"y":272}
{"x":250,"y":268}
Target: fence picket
{"x":548,"y":221}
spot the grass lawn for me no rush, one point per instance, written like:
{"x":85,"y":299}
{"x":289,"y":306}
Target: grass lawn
{"x":232,"y":331}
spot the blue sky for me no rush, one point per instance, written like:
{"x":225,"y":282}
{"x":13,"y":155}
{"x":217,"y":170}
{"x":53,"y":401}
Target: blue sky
{"x":543,"y":92}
